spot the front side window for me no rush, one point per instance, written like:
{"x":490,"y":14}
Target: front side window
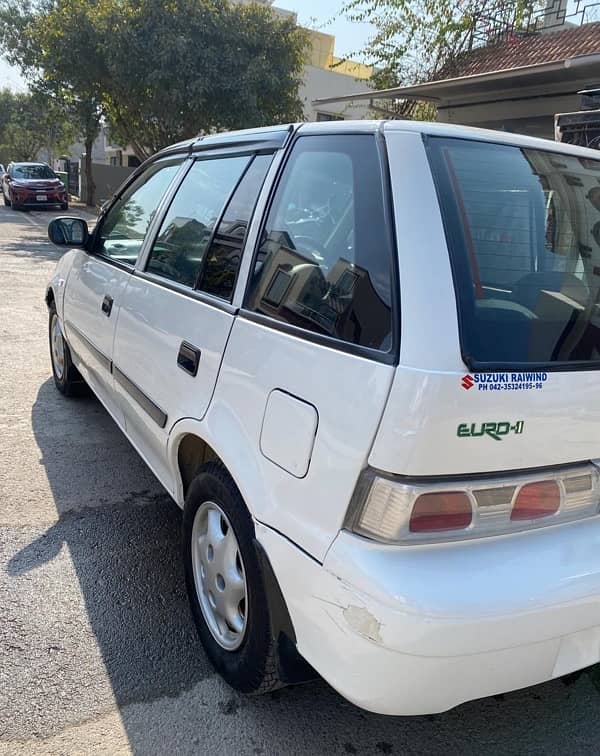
{"x":523,"y":228}
{"x":325,"y":261}
{"x":124,"y":227}
{"x":180,"y":247}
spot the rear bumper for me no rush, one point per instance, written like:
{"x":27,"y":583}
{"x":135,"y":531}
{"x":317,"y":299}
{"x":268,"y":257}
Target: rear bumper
{"x":419,"y":630}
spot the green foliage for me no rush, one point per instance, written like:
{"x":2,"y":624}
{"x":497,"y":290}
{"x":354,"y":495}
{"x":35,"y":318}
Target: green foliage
{"x":194,"y":66}
{"x":161,"y":70}
{"x":420,"y":40}
{"x":29,"y":123}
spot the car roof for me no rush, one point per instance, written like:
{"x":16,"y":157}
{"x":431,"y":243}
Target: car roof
{"x":28,"y":163}
{"x":278,"y":135}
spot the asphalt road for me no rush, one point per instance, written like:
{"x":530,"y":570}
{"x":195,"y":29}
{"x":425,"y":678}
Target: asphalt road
{"x":97,"y":650}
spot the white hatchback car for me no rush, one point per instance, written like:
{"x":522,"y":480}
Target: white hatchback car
{"x":363,"y":357}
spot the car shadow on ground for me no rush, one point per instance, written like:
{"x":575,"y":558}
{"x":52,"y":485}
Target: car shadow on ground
{"x":37,"y":249}
{"x":122,"y":534}
{"x":35,"y":245}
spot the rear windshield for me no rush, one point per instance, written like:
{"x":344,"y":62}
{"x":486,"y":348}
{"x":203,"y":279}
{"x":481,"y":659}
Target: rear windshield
{"x":33,"y":172}
{"x":523,"y":227}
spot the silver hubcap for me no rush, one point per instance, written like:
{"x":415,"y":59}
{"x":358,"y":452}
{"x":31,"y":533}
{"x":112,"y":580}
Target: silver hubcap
{"x":58,"y":348}
{"x":219,"y":576}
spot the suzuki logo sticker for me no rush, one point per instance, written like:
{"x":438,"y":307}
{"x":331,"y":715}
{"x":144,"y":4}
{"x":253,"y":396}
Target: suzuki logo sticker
{"x":504,"y":381}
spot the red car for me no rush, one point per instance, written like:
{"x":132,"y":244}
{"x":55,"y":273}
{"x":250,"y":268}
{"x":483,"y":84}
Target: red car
{"x":33,"y":184}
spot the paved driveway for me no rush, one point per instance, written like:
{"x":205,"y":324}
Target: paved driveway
{"x":97,"y":650}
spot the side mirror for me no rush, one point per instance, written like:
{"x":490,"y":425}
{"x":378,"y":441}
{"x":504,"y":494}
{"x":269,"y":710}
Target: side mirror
{"x":68,"y":232}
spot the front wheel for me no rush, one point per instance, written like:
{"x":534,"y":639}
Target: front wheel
{"x":225,"y":582}
{"x":67,"y":378}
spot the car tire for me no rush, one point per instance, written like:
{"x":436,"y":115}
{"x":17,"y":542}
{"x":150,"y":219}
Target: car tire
{"x":245,"y":659}
{"x":64,"y":206}
{"x":67,"y":378}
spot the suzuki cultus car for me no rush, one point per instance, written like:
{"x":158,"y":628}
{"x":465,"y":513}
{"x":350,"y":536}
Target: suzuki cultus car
{"x":363,"y":358}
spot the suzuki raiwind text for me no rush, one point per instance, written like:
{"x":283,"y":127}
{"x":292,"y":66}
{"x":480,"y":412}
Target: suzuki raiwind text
{"x":363,"y":357}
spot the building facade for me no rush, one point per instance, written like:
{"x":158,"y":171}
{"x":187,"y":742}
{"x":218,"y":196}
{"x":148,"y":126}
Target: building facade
{"x":517,"y":79}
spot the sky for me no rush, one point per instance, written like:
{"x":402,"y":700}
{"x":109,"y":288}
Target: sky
{"x":323,"y":15}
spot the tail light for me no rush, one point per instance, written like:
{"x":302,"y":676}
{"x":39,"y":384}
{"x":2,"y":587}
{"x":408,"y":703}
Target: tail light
{"x":394,"y":510}
{"x":435,"y":512}
{"x":536,"y":500}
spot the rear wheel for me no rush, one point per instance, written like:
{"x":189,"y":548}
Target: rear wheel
{"x":67,"y":378}
{"x":64,"y":206}
{"x":225,"y":582}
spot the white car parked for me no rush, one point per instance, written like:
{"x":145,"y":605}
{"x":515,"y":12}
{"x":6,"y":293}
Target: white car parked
{"x":363,"y":357}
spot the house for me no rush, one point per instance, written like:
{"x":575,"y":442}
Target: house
{"x":517,"y":81}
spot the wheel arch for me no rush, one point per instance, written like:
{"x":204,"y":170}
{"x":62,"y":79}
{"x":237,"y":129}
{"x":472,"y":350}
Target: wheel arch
{"x":192,"y":443}
{"x":50,"y":298}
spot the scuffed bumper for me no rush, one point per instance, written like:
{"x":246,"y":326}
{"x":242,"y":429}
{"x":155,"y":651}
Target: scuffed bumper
{"x":421,"y":629}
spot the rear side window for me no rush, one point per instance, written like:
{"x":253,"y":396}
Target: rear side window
{"x":224,"y":256}
{"x":186,"y":231}
{"x":325,"y":259}
{"x":523,"y":227}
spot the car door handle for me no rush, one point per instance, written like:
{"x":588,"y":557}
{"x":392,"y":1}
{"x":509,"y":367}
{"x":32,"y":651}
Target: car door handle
{"x":188,"y":358}
{"x":107,"y":304}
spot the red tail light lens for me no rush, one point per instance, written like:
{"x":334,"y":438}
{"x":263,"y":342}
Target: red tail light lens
{"x":536,"y":500}
{"x":441,"y":511}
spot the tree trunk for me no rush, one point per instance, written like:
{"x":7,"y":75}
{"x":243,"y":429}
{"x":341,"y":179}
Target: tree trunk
{"x":90,"y":186}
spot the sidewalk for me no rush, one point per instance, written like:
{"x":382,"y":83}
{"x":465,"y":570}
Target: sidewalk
{"x":83,"y":208}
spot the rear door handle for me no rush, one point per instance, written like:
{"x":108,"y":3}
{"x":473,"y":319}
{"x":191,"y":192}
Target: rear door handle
{"x":107,"y":304}
{"x":188,"y":358}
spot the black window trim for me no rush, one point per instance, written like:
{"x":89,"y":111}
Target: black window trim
{"x":390,"y":357}
{"x":454,"y":238}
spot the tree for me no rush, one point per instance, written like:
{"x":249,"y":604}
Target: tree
{"x":160,"y":72}
{"x":420,"y":40}
{"x":30,"y":123}
{"x":60,"y":61}
{"x":176,"y":70}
